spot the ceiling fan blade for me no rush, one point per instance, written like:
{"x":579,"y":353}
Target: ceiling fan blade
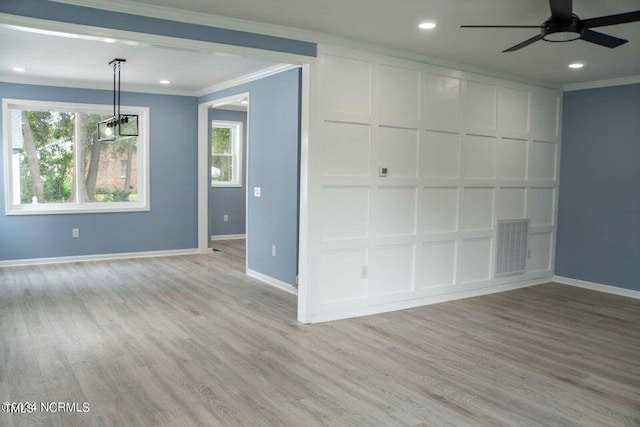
{"x":603,"y":21}
{"x":500,"y":26}
{"x":523,"y":44}
{"x":561,"y":10}
{"x":602,"y":39}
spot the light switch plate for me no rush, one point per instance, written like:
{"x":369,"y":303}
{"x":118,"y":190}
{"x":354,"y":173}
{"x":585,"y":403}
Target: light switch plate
{"x":257,"y":191}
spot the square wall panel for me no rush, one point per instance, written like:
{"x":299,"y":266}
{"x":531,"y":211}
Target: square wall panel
{"x":474,"y":263}
{"x":440,"y":101}
{"x":512,"y":159}
{"x":394,"y":211}
{"x":542,"y":161}
{"x":477,"y":209}
{"x":439,"y":210}
{"x":540,"y":247}
{"x":392,"y":269}
{"x":437,"y":264}
{"x":399,"y":95}
{"x":546,"y":105}
{"x":439,"y":155}
{"x":540,"y":205}
{"x":346,"y":149}
{"x":340,"y":275}
{"x":398,"y":151}
{"x":510,"y":203}
{"x":347,"y":85}
{"x":345,"y":213}
{"x":513,"y":110}
{"x":480,"y":105}
{"x":479,"y":154}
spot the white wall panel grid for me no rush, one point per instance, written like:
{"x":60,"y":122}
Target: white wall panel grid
{"x":461,"y":151}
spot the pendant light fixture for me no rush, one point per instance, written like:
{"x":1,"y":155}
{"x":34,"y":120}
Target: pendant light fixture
{"x":119,"y":125}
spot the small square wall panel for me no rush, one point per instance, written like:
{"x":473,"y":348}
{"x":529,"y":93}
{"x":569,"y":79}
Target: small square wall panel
{"x":439,"y":154}
{"x":540,"y":204}
{"x":347,"y":85}
{"x":392,"y":270}
{"x":439,"y":210}
{"x":345,"y":213}
{"x":440,"y":101}
{"x":474,"y":263}
{"x":394,"y":211}
{"x":480,"y":105}
{"x":513,"y":110}
{"x":511,"y":203}
{"x":479,"y":154}
{"x":341,"y":275}
{"x":546,"y":113}
{"x":436,"y":264}
{"x":397,"y":150}
{"x":542,"y":161}
{"x":399,"y":95}
{"x":477,"y":209}
{"x":540,"y":250}
{"x":346,"y":149}
{"x":512,"y":159}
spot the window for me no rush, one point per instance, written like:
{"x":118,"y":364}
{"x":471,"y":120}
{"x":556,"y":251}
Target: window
{"x":54,"y":162}
{"x":226,"y":154}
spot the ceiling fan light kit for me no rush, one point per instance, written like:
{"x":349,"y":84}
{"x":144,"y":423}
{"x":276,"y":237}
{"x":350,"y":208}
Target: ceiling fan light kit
{"x":564,"y":26}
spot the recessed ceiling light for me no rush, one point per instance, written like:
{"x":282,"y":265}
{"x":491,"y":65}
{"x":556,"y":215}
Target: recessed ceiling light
{"x":19,"y":69}
{"x":165,"y":82}
{"x":427,"y":25}
{"x":109,"y":40}
{"x":244,"y":102}
{"x":576,"y":65}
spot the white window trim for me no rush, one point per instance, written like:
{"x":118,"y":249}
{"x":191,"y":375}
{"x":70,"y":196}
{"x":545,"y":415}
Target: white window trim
{"x":236,"y":146}
{"x":142,"y":159}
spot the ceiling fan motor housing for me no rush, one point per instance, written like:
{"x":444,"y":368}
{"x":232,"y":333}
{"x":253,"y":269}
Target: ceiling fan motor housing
{"x":562,"y":31}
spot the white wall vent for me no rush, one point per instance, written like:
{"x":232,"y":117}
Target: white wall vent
{"x":511,"y":247}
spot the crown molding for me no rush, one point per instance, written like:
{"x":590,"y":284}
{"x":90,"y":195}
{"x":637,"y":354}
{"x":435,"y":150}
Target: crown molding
{"x":261,"y":74}
{"x":82,"y":84}
{"x":174,"y":14}
{"x":602,"y":83}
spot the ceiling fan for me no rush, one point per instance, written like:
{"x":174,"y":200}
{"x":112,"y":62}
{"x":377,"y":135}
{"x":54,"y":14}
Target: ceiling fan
{"x":565,"y":26}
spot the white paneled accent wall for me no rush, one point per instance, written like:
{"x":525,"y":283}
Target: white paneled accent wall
{"x":461,"y":151}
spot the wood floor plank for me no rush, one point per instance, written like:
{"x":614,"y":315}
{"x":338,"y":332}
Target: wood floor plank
{"x":193,"y":341}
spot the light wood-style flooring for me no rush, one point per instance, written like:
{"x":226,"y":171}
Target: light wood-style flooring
{"x":191,"y":341}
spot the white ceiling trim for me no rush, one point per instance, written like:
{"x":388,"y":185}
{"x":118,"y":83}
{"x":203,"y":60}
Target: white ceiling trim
{"x":270,"y":71}
{"x":602,"y":83}
{"x":162,"y":12}
{"x":80,"y":84}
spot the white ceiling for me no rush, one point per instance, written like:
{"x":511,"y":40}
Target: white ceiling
{"x":392,"y":24}
{"x":84,"y":63}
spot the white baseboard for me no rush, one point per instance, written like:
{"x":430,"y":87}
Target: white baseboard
{"x":597,"y":287}
{"x":418,"y":302}
{"x":273,"y":282}
{"x":216,"y":237}
{"x":99,"y":257}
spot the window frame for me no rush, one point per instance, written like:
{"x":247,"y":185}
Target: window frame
{"x":236,"y":153}
{"x":142,"y":160}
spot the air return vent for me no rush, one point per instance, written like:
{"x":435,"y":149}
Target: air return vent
{"x":511,"y":247}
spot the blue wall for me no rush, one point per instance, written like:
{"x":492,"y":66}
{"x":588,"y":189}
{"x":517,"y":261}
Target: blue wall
{"x":274,"y":138}
{"x":54,"y":11}
{"x":599,"y":210}
{"x":172,"y":221}
{"x":229,"y":200}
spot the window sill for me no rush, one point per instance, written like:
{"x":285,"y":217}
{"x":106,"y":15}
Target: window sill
{"x":57,"y":210}
{"x":217,"y":185}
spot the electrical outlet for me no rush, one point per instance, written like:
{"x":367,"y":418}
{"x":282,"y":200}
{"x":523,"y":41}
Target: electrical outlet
{"x":257,"y":191}
{"x":273,"y":250}
{"x":75,"y":232}
{"x":364,"y":273}
{"x":225,"y":218}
